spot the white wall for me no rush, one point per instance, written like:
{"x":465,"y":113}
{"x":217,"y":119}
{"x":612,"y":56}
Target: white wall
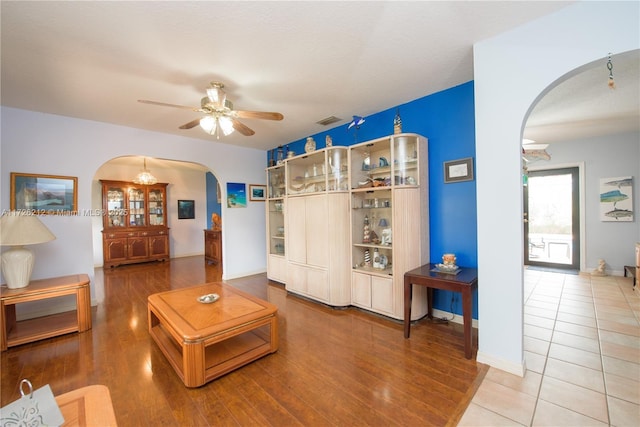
{"x":42,"y":143}
{"x":511,"y":71}
{"x":604,"y":157}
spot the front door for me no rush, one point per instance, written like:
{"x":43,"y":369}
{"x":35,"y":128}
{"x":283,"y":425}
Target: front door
{"x":552,"y":218}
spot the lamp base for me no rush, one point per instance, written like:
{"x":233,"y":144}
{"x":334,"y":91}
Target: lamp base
{"x":17,"y":265}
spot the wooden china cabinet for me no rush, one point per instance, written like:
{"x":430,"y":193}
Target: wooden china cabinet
{"x":135,"y":223}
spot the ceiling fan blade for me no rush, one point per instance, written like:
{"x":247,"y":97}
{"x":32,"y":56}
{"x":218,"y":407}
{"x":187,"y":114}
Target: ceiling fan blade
{"x":246,"y":131}
{"x":191,"y":124}
{"x":164,"y":104}
{"x":258,"y":115}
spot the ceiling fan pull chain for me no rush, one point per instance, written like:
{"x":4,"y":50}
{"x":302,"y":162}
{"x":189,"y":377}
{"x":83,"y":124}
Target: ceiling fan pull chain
{"x":612,"y":83}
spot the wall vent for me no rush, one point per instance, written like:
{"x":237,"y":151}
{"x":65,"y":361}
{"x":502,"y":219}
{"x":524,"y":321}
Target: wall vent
{"x":328,"y":120}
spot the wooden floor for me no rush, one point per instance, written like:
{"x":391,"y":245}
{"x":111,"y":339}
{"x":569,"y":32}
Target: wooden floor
{"x":333,"y":367}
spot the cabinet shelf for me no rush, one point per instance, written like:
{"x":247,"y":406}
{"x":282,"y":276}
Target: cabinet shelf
{"x":373,"y":246}
{"x":375,"y":271}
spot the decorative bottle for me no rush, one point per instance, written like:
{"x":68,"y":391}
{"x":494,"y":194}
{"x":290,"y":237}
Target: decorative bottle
{"x":376,"y":258}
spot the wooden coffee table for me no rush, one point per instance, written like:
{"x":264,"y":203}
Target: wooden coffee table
{"x":205,"y":341}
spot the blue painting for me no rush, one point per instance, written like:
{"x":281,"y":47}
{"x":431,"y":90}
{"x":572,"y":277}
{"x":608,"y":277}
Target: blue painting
{"x":236,"y":195}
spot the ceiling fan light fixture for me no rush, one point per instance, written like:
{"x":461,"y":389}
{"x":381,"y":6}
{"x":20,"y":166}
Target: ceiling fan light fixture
{"x":216,"y":95}
{"x":145,"y":177}
{"x":208,"y":124}
{"x":226,"y":124}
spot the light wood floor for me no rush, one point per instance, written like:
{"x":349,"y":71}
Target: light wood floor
{"x":333,"y":367}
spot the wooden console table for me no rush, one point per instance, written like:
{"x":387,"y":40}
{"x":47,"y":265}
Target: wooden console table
{"x":14,"y":332}
{"x":464,"y":282}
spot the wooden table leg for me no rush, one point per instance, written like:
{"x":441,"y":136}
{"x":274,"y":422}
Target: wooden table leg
{"x":83,"y":307}
{"x":408,"y":291}
{"x":466,"y":316}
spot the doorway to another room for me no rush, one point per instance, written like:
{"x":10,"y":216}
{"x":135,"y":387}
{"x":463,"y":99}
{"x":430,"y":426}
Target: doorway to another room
{"x":552,"y":219}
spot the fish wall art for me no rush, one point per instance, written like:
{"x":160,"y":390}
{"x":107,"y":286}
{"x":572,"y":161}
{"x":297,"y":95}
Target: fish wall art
{"x":616,"y":199}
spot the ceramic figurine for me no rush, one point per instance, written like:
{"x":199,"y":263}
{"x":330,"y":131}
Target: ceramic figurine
{"x":328,"y":141}
{"x":310,"y":145}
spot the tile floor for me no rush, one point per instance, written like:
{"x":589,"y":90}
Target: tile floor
{"x":582,"y":352}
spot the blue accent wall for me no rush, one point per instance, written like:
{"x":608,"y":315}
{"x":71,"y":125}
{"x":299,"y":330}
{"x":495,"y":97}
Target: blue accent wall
{"x":446,"y":118}
{"x":212,"y":198}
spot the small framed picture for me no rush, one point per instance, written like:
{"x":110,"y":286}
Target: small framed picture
{"x":458,"y":170}
{"x":186,"y":209}
{"x":257,"y":193}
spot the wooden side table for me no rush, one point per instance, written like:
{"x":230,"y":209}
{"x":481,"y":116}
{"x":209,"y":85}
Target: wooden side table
{"x":464,"y":282}
{"x":14,"y":332}
{"x":87,"y":406}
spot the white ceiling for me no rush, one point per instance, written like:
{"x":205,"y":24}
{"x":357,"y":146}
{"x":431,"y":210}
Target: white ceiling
{"x":306,"y":60}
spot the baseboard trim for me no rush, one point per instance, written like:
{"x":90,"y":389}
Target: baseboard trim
{"x":457,"y":318}
{"x":503,"y":365}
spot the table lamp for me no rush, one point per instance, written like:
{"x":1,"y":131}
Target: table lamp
{"x":19,"y":230}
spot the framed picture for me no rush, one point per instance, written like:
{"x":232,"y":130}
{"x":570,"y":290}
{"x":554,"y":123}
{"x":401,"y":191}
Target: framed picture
{"x":236,"y":195}
{"x":458,"y":170}
{"x":616,"y":199}
{"x":257,"y":193}
{"x":43,"y":194}
{"x":186,"y":209}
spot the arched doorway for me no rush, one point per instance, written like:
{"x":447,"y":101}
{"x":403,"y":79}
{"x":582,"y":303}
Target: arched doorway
{"x":511,"y":72}
{"x":187,"y":182}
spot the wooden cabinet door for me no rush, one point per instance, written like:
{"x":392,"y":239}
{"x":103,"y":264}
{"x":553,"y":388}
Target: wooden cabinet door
{"x":138,"y":247}
{"x":297,"y":278}
{"x":361,"y":289}
{"x":115,"y":249}
{"x":317,"y":231}
{"x":317,"y":284}
{"x":382,"y":294}
{"x":296,"y":230}
{"x":158,"y":245}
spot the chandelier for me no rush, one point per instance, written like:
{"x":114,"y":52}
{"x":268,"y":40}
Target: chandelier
{"x":145,"y":177}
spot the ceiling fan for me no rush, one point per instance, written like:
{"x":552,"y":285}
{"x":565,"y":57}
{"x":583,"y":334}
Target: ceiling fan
{"x":219,"y":114}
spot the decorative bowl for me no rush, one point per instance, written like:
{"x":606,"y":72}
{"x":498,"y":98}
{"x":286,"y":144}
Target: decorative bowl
{"x":208,"y":298}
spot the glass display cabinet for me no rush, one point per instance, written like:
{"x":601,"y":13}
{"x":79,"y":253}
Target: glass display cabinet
{"x":135,"y":223}
{"x":389,"y":221}
{"x":275,"y":182}
{"x":276,"y":192}
{"x":322,"y":170}
{"x":385,"y":162}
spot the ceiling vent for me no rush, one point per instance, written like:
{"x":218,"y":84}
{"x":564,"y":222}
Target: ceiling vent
{"x":328,"y":121}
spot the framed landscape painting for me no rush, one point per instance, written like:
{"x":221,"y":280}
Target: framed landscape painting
{"x":43,"y":194}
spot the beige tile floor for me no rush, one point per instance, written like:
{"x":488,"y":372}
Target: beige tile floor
{"x":582,"y":352}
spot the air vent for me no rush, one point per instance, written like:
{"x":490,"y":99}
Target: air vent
{"x":328,"y":121}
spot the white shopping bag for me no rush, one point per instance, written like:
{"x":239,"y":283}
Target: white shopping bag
{"x":34,"y":408}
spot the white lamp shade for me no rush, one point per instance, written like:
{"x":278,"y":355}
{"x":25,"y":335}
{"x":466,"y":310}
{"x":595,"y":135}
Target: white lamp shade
{"x":18,"y":230}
